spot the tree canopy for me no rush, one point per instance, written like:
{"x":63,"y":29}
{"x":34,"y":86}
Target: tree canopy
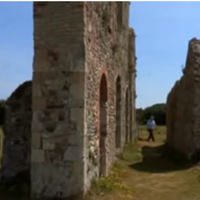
{"x":157,"y":110}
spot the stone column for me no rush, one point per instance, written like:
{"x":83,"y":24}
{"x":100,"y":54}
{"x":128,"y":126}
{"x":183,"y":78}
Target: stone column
{"x":132,"y":77}
{"x":58,"y":100}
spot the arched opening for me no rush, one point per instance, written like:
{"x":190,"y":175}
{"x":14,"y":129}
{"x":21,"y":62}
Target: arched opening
{"x":127,"y":115}
{"x":118,"y":113}
{"x":103,"y":125}
{"x":131,"y":115}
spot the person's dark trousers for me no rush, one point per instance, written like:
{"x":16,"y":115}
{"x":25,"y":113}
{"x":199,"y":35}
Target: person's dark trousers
{"x":151,"y":135}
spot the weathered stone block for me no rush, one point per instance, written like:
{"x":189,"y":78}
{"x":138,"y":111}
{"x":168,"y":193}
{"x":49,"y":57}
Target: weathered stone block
{"x":36,"y":141}
{"x":72,"y":154}
{"x":76,"y":115}
{"x":39,"y":103}
{"x":37,"y":156}
{"x":48,"y":145}
{"x":76,"y":91}
{"x":37,"y":90}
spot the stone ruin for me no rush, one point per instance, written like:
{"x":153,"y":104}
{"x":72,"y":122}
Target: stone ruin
{"x":82,"y":106}
{"x":17,"y":134}
{"x":183,"y":107}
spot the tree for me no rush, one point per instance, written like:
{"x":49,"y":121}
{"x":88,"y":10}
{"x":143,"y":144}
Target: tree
{"x":157,"y":110}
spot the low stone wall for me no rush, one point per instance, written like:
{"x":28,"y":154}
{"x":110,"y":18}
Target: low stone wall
{"x":183,"y":106}
{"x":17,"y":134}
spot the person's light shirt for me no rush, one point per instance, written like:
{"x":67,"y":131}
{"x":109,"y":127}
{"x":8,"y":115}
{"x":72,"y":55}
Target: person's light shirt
{"x":151,"y":124}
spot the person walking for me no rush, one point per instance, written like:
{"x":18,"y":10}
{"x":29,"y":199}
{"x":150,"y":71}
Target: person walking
{"x":151,"y":125}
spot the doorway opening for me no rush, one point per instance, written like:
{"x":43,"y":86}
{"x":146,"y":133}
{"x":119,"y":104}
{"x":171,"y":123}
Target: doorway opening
{"x":127,"y":137}
{"x":118,"y":113}
{"x":103,"y":125}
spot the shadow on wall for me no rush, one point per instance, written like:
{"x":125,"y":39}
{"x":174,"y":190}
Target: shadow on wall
{"x":160,"y":160}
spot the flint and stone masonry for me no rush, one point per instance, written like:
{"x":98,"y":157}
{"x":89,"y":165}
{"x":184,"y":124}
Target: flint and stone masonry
{"x":83,"y":95}
{"x":183,"y":107}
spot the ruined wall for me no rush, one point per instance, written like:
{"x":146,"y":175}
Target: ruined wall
{"x":75,"y":45}
{"x":57,"y":155}
{"x":15,"y":162}
{"x":132,"y":82}
{"x":183,"y":132}
{"x":107,"y":53}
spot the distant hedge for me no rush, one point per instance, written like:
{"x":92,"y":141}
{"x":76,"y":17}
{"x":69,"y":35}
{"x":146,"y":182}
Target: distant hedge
{"x":2,"y":111}
{"x":157,"y":110}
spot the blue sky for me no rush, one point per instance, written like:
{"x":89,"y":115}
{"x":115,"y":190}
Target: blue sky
{"x":163,"y":30}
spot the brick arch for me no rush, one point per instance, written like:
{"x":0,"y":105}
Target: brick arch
{"x":118,"y":86}
{"x":117,"y":75}
{"x":103,"y":96}
{"x":103,"y":106}
{"x":103,"y":73}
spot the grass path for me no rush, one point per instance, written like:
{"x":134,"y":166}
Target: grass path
{"x":152,"y":176}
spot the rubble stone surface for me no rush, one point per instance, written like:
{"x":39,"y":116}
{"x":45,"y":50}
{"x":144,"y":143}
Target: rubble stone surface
{"x":17,"y":133}
{"x":80,"y":48}
{"x":183,"y":106}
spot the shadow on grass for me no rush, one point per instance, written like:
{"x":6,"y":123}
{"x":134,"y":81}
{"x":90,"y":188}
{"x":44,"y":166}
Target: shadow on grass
{"x":160,"y":159}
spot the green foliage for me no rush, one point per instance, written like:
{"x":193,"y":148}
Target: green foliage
{"x":157,"y":110}
{"x":113,"y":182}
{"x":2,"y":111}
{"x":129,"y":156}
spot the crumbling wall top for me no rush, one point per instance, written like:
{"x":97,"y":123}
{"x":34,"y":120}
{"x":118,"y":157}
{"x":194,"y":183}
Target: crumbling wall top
{"x":132,"y":32}
{"x":193,"y":55}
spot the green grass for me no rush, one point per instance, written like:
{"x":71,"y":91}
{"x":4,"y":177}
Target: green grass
{"x":132,"y":152}
{"x":150,"y":174}
{"x":114,"y":182}
{"x":156,"y":176}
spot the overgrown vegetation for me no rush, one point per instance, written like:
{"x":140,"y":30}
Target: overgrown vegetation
{"x":157,"y":110}
{"x":132,"y":152}
{"x":114,"y":182}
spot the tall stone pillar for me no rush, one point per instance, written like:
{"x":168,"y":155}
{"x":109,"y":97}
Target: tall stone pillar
{"x":58,"y":100}
{"x":132,"y":78}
